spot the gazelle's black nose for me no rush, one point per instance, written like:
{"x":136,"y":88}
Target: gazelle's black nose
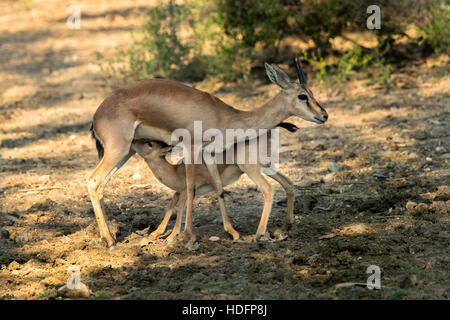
{"x":325,"y":116}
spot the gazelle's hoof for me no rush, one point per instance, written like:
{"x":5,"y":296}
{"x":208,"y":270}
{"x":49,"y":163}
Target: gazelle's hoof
{"x":113,"y":248}
{"x":263,"y":237}
{"x":235,"y":236}
{"x":280,"y":235}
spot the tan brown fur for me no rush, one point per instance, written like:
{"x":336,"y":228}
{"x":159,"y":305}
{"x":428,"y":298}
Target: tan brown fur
{"x":152,"y":109}
{"x":174,"y":177}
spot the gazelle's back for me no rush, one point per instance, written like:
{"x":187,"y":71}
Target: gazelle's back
{"x":150,"y":102}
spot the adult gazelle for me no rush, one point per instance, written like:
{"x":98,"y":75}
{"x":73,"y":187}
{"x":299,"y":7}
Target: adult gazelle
{"x":152,"y":109}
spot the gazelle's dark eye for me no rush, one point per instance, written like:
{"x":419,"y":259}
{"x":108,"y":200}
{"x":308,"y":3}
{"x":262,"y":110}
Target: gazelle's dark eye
{"x":149,"y":144}
{"x":303,"y":97}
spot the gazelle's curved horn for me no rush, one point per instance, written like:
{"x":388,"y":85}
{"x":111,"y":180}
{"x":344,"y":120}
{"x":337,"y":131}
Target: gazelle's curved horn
{"x":300,"y":74}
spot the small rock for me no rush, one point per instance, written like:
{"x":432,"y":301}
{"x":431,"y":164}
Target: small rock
{"x":442,"y":194}
{"x":327,"y":236}
{"x":420,"y":135}
{"x":413,"y":155}
{"x":81,"y":292}
{"x":440,"y":150}
{"x":428,"y":159}
{"x":13,"y":266}
{"x":4,"y":234}
{"x":333,"y":167}
{"x":417,"y":209}
{"x":445,"y":156}
{"x":214,"y":238}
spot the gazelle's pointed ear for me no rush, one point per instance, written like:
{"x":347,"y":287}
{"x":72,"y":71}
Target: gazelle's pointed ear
{"x":277,"y":76}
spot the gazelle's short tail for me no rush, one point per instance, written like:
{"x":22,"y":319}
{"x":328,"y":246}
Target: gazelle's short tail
{"x":98,"y":143}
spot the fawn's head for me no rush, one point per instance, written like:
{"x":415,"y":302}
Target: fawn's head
{"x":151,"y":149}
{"x":297,"y":96}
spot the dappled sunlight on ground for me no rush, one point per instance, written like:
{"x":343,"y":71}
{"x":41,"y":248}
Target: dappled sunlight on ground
{"x":370,"y":184}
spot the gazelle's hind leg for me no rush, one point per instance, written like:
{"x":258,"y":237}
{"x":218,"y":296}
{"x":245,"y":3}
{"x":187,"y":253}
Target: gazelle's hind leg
{"x":288,"y":187}
{"x":162,"y":227}
{"x":254,"y":173}
{"x":96,"y":182}
{"x":116,"y":152}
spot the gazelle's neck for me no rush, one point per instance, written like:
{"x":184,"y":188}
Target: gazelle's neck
{"x":164,"y":171}
{"x":266,"y":116}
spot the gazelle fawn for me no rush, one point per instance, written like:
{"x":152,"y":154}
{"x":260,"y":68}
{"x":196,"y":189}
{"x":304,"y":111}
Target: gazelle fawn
{"x":174,"y":177}
{"x":153,"y":109}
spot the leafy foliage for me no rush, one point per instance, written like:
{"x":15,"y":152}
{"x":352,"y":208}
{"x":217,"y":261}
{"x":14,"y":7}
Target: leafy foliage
{"x":224,"y":39}
{"x":436,"y":32}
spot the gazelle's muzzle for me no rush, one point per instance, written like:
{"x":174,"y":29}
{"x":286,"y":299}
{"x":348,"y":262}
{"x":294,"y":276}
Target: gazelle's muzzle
{"x":323,"y":117}
{"x":320,"y":114}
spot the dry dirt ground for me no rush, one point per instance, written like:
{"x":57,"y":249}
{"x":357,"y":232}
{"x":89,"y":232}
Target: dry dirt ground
{"x":372,"y":185}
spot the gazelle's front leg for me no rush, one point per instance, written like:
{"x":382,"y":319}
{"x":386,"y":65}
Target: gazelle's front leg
{"x":288,"y":187}
{"x":217,"y":182}
{"x":162,"y":227}
{"x":254,"y":173}
{"x":190,"y":187}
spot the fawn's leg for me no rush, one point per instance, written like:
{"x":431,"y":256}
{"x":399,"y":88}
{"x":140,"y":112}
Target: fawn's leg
{"x":162,"y":227}
{"x":177,"y":227}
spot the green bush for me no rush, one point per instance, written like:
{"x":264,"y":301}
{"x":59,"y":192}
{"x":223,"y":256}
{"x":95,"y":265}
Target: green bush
{"x":355,"y":60}
{"x":225,"y":39}
{"x":436,"y":32}
{"x":159,"y":50}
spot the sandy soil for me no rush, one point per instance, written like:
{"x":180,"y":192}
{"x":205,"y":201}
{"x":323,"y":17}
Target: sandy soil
{"x":386,"y":203}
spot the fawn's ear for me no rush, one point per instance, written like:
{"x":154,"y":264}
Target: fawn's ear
{"x":277,"y":76}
